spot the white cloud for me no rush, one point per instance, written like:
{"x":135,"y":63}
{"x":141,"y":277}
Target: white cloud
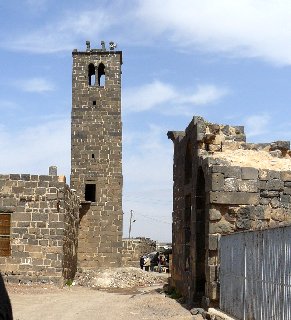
{"x":204,"y":94}
{"x":257,"y":125}
{"x":248,"y":28}
{"x":38,"y":85}
{"x":63,"y":34}
{"x":147,"y":172}
{"x":178,"y":101}
{"x":243,"y":28}
{"x":33,"y":149}
{"x":147,"y":96}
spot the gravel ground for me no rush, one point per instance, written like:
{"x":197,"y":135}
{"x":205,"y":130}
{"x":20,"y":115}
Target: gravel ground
{"x":123,"y":294}
{"x":80,"y":303}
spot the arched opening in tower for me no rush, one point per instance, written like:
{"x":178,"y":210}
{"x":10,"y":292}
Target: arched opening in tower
{"x":91,"y":74}
{"x":101,"y":75}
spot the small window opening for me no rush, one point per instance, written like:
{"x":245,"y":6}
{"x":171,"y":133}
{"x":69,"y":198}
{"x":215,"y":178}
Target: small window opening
{"x":91,"y":74}
{"x":93,"y":156}
{"x":5,"y":247}
{"x":101,"y":75}
{"x":94,"y":102}
{"x":90,"y":192}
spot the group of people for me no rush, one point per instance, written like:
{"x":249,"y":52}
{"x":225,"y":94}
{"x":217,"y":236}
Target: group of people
{"x":156,"y":263}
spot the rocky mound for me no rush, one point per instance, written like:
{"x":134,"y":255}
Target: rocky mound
{"x":128,"y":277}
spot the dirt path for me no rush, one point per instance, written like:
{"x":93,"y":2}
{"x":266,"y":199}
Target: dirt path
{"x":80,"y":303}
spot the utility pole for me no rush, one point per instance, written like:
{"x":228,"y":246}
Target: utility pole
{"x":130,"y":221}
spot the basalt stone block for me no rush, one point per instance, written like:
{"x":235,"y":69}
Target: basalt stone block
{"x":280,"y":145}
{"x":233,"y":172}
{"x":287,"y":190}
{"x":275,"y":184}
{"x":270,"y":193}
{"x":14,"y":176}
{"x":217,"y":181}
{"x":214,"y":214}
{"x":7,"y":209}
{"x":228,"y":171}
{"x":274,"y":174}
{"x":244,"y":224}
{"x":221,"y":227}
{"x":234,"y":198}
{"x":263,"y":174}
{"x":230,"y":184}
{"x":265,"y":201}
{"x":285,"y":198}
{"x":249,"y":173}
{"x":213,"y":241}
{"x":248,"y":185}
{"x":285,"y":175}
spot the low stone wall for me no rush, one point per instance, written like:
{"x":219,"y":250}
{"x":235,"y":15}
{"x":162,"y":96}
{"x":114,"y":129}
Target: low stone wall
{"x":44,"y":217}
{"x":133,"y":249}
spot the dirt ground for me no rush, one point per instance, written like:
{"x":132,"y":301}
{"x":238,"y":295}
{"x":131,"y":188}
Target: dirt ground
{"x":76,"y":302}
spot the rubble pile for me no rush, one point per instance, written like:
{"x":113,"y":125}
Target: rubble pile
{"x":128,"y":277}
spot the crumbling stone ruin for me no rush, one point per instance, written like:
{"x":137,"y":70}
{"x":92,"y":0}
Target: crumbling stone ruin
{"x":47,"y":229}
{"x":221,"y":185}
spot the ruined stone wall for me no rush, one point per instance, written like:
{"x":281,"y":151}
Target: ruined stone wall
{"x":133,"y":249}
{"x":232,"y":186}
{"x":96,"y":156}
{"x":44,"y":217}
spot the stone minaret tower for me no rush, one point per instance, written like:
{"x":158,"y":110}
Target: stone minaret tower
{"x":96,"y":169}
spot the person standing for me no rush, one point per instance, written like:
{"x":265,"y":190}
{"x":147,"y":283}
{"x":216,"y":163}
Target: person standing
{"x":141,"y":262}
{"x":147,"y":263}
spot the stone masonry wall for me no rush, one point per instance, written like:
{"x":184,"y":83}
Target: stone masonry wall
{"x":44,"y":215}
{"x":243,"y":186}
{"x":133,"y":249}
{"x":96,"y":157}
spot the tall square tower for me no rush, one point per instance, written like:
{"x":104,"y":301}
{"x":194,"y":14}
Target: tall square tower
{"x":96,"y":153}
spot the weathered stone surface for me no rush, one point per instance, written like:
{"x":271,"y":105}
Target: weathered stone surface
{"x":285,"y":175}
{"x":247,"y":185}
{"x":277,"y":214}
{"x":214,"y":214}
{"x":217,"y":182}
{"x":231,"y":184}
{"x":96,"y":172}
{"x":32,"y":219}
{"x":222,"y":227}
{"x":251,"y":212}
{"x":280,"y":145}
{"x":263,"y":174}
{"x":249,"y":173}
{"x":213,"y":241}
{"x":234,"y":197}
{"x":270,"y":194}
{"x":275,"y":184}
{"x":274,"y":174}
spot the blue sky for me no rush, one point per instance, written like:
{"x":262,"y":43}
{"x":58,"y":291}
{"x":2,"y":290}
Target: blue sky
{"x":228,"y":61}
